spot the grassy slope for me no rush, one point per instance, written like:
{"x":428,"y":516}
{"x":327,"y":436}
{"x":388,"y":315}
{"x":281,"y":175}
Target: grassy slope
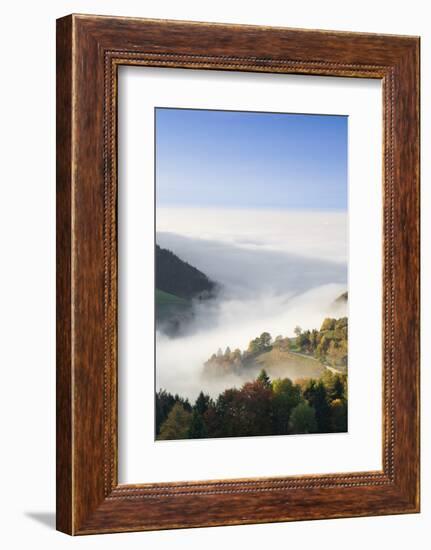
{"x":171,"y":309}
{"x":164,"y":298}
{"x":287,"y":365}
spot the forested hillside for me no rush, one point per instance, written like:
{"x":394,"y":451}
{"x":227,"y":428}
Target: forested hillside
{"x":343,"y":298}
{"x":311,"y":401}
{"x":260,"y":407}
{"x":179,"y":278}
{"x":177,"y":284}
{"x":329,"y":344}
{"x":298,"y":356}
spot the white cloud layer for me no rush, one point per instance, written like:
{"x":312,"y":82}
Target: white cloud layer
{"x":312,"y":234}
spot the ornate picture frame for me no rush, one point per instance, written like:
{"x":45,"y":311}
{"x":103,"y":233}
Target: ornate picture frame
{"x":89,"y":51}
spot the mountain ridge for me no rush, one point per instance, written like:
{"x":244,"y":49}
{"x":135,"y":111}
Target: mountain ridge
{"x":178,"y":278}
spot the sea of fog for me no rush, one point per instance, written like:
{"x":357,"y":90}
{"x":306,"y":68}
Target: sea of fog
{"x":276,"y":270}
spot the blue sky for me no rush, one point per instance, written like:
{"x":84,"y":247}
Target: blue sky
{"x":232,"y":159}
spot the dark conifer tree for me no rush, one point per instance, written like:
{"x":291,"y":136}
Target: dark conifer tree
{"x":197,"y":429}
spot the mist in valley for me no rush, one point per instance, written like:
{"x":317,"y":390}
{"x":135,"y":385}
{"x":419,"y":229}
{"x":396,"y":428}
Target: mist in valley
{"x":274,"y":270}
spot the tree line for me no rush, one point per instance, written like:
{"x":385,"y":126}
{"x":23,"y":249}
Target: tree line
{"x":260,"y":407}
{"x":237,"y":360}
{"x":329,"y":344}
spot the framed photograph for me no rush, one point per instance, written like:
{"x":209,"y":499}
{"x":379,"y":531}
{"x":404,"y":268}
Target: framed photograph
{"x":237,"y":274}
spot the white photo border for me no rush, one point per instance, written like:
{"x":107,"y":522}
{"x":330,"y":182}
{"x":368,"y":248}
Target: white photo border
{"x":141,"y":459}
